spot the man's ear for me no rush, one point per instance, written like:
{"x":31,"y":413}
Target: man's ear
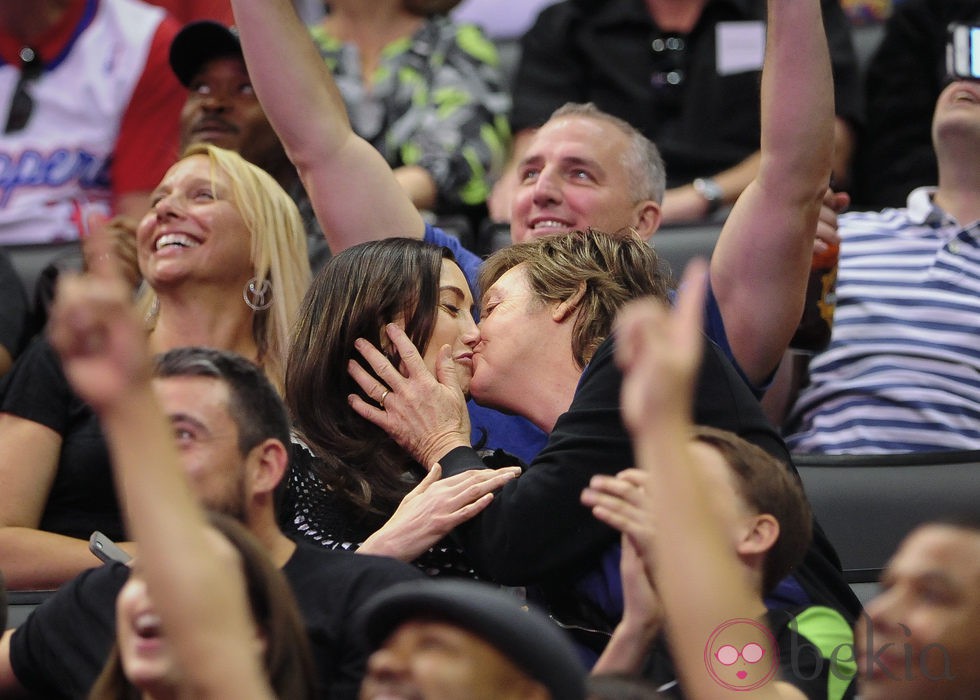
{"x":760,"y":535}
{"x":270,"y":458}
{"x":647,"y":216}
{"x":567,"y":308}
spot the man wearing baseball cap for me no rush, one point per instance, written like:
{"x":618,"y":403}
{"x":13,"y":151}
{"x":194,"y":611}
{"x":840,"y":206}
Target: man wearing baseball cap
{"x":222,"y":109}
{"x":460,"y":638}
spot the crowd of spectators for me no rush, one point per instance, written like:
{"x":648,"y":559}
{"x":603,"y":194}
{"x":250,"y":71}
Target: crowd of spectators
{"x":344,"y":453}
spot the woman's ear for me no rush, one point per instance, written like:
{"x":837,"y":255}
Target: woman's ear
{"x":567,"y":308}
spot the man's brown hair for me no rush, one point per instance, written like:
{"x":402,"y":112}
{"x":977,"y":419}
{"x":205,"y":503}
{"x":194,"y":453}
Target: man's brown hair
{"x":767,"y":486}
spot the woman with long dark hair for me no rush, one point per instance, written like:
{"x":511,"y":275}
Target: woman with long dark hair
{"x":348,"y":477}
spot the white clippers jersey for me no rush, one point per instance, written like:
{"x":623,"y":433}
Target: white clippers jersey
{"x":60,"y":163}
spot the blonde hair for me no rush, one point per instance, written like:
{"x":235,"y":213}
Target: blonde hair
{"x":278,"y":252}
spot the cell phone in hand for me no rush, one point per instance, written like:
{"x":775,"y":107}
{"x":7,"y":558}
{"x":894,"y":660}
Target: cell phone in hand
{"x":106,"y":550}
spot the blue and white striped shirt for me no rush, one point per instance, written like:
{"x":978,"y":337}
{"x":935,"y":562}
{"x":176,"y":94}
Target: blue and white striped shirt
{"x":902,"y":371}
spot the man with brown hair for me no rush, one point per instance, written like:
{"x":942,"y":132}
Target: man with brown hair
{"x":233,"y":436}
{"x":766,"y":521}
{"x":708,"y":523}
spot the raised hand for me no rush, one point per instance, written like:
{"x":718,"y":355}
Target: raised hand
{"x":827,"y":235}
{"x":433,"y":508}
{"x":621,"y":502}
{"x":659,"y":351}
{"x":96,"y":330}
{"x":425,"y":415}
{"x":122,"y":232}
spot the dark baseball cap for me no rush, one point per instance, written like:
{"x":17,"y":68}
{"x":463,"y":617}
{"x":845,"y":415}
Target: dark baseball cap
{"x":199,"y":42}
{"x":526,"y":636}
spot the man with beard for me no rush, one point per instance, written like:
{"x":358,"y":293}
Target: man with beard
{"x":233,"y":435}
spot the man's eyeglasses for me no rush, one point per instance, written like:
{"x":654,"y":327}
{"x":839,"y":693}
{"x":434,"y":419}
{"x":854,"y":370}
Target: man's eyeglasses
{"x":22,"y":104}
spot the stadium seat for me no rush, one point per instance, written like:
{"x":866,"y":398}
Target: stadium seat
{"x":21,"y":603}
{"x":30,"y":261}
{"x":867,"y":504}
{"x":678,"y":244}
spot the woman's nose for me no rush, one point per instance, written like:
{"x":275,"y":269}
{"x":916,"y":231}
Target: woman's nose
{"x":168,"y":206}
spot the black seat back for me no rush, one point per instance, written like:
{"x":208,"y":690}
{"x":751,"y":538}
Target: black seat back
{"x":867,"y":504}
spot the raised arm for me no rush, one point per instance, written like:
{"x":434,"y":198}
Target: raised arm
{"x":198,"y":593}
{"x":354,"y":193}
{"x":687,"y":550}
{"x":760,"y":265}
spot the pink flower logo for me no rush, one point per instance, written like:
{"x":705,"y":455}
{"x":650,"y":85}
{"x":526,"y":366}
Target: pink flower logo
{"x":741,"y":654}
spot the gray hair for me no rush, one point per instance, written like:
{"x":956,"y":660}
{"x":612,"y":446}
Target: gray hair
{"x":644,"y":165}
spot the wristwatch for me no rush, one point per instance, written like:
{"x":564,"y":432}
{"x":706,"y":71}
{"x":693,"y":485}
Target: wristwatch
{"x":711,"y":191}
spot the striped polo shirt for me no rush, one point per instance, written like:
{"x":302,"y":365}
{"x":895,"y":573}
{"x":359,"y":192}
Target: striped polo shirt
{"x":902,"y":371}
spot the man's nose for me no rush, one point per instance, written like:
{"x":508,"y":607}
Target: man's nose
{"x":215,"y":101}
{"x":547,"y":187}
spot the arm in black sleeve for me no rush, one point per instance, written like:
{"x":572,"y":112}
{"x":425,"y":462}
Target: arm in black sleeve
{"x":536,"y":530}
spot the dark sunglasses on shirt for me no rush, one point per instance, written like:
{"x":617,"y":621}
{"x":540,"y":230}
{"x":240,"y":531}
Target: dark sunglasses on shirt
{"x":22,"y":104}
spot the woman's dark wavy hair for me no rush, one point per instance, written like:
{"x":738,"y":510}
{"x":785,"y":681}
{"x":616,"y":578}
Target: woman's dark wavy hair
{"x":356,"y":293}
{"x":288,"y":661}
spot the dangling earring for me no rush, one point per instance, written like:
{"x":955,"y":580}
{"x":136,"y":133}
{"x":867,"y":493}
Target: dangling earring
{"x":258,"y":295}
{"x":153,"y":311}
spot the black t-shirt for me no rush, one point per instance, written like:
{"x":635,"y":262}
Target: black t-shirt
{"x":676,"y":89}
{"x":60,"y":649}
{"x":82,"y":497}
{"x":330,"y":586}
{"x":536,"y":530}
{"x":13,"y":310}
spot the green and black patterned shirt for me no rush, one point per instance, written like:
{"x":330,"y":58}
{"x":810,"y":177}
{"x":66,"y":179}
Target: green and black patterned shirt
{"x":437,"y":100}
